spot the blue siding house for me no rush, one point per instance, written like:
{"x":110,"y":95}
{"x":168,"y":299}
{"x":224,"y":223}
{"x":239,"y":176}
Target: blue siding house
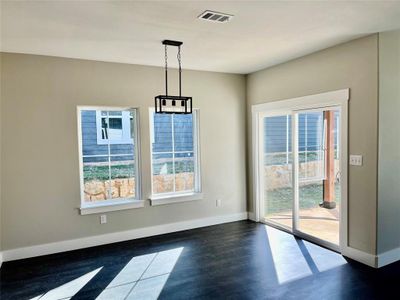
{"x":91,"y":145}
{"x":92,"y":134}
{"x":278,"y":130}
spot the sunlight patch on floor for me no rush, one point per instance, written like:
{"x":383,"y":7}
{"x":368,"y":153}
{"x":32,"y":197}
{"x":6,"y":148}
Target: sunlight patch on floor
{"x":289,"y":262}
{"x":295,"y":258}
{"x":324,"y":259}
{"x":68,"y":289}
{"x":143,"y":277}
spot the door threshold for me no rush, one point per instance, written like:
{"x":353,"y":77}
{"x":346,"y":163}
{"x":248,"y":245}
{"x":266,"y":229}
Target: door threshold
{"x":304,"y":236}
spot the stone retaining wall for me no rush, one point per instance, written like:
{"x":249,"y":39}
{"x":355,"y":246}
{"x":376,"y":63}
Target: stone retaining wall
{"x":277,"y":176}
{"x":280,"y":176}
{"x":96,"y":190}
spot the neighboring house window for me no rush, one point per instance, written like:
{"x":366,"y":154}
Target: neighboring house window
{"x":109,"y":170}
{"x":113,"y":127}
{"x":175,"y":153}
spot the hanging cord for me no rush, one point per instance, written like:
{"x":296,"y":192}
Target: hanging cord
{"x":166,"y":70}
{"x":180,"y":70}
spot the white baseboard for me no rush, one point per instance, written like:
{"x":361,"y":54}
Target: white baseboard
{"x":86,"y":242}
{"x":375,"y":261}
{"x":62,"y":246}
{"x":388,"y":257}
{"x":361,"y":256}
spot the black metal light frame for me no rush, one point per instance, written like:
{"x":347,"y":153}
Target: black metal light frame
{"x":168,"y":104}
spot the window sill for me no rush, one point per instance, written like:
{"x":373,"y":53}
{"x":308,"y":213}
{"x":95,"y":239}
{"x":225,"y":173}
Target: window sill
{"x":174,"y":198}
{"x":110,"y":206}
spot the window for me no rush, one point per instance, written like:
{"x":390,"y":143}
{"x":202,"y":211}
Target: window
{"x":175,"y":154}
{"x":113,"y":127}
{"x":109,"y":169}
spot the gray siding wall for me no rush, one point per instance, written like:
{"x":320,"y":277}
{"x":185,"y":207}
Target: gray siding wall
{"x":183,"y":136}
{"x":183,"y":133}
{"x":276,"y":136}
{"x":89,"y":141}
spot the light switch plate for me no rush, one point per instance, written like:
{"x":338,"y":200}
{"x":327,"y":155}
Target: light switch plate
{"x":356,"y":160}
{"x":103,"y":219}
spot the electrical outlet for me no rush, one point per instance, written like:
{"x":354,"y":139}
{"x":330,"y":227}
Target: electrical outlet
{"x":356,"y":160}
{"x":103,"y":219}
{"x":218,"y":202}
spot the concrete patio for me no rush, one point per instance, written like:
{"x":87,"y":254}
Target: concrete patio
{"x":318,"y":222}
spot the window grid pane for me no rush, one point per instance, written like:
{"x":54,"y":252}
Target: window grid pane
{"x":109,"y":170}
{"x":178,"y":174}
{"x":184,"y":163}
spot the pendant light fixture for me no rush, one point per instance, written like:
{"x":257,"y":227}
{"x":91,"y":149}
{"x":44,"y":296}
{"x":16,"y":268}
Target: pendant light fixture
{"x":167,"y":104}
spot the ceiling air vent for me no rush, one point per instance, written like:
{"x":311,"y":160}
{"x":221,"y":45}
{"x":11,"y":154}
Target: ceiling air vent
{"x":213,"y":16}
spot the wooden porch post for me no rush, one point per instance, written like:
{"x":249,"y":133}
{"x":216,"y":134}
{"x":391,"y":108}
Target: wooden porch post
{"x":329,"y":182}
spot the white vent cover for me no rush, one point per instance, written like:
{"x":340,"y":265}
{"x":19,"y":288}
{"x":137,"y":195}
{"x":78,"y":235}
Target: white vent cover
{"x":214,"y":16}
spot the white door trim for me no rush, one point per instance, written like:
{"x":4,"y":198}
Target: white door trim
{"x":333,"y":98}
{"x":255,"y":132}
{"x":337,"y":98}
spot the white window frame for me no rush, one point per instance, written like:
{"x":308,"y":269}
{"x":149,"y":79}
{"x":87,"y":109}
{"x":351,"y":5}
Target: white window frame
{"x":126,"y":129}
{"x":119,"y":203}
{"x":182,"y":196}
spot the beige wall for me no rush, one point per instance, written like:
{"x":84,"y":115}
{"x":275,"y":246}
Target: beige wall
{"x":389,"y":142}
{"x":40,"y":176}
{"x":351,"y":65}
{"x":1,"y":227}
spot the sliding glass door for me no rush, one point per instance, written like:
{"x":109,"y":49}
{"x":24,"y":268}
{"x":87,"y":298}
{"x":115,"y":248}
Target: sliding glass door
{"x":300,"y":172}
{"x":318,"y":175}
{"x":278,"y":169}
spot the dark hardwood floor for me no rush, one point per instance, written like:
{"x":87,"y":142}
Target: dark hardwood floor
{"x":240,"y":260}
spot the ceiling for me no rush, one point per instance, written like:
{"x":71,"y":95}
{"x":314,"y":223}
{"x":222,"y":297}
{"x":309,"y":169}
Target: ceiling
{"x":262,"y":33}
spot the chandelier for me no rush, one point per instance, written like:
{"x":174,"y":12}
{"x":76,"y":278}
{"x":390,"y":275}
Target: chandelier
{"x":168,"y":104}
